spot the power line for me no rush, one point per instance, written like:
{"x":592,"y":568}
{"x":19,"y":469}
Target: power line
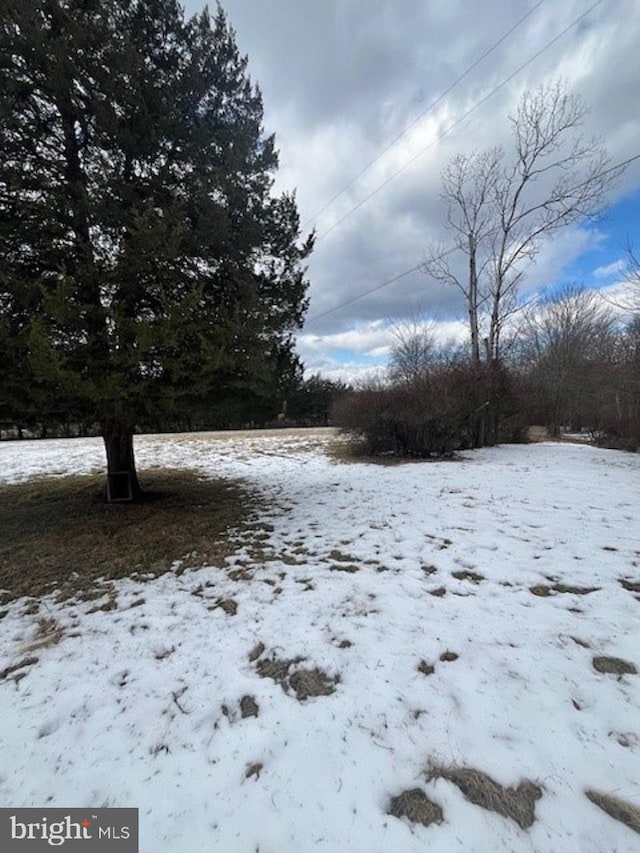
{"x":363,"y":294}
{"x":421,"y":115}
{"x":460,"y":119}
{"x":617,"y":166}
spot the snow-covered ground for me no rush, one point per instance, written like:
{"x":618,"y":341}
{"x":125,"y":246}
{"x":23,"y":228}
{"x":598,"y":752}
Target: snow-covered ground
{"x":344,"y":572}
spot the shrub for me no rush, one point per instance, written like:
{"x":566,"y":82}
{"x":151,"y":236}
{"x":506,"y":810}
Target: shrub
{"x":620,"y":433}
{"x":444,"y":409}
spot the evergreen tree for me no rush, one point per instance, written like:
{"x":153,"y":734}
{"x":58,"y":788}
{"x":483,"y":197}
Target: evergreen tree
{"x":310,"y":401}
{"x":147,"y":265}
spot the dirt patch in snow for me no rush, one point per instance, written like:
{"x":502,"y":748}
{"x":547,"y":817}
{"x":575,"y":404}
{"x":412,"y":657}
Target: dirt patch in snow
{"x":242,"y":574}
{"x":253,"y":770}
{"x":249,"y":707}
{"x":9,"y":670}
{"x":304,"y":683}
{"x":544,"y":590}
{"x":342,"y":562}
{"x":467,"y":575}
{"x":631,"y":586}
{"x":107,"y":606}
{"x":615,"y":666}
{"x":618,"y":809}
{"x":229,"y":606}
{"x":256,"y":651}
{"x":448,"y":656}
{"x":49,"y":633}
{"x":438,"y":592}
{"x":312,"y":682}
{"x":277,"y":669}
{"x":426,"y":668}
{"x":340,"y":557}
{"x":518,"y":804}
{"x":416,"y":806}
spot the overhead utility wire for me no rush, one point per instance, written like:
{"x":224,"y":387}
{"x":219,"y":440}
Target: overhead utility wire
{"x":460,"y":119}
{"x":621,"y":165}
{"x":364,"y":293}
{"x":421,"y":115}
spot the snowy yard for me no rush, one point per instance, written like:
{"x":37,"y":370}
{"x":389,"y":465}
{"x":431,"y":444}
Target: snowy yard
{"x":376,"y":624}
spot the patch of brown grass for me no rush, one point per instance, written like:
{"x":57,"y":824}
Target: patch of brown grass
{"x":303,"y":682}
{"x":229,"y":606}
{"x":467,"y":575}
{"x":8,"y":670}
{"x":348,"y":450}
{"x":49,"y":633}
{"x":253,"y":770}
{"x":242,"y":574}
{"x":618,"y":809}
{"x":540,"y":590}
{"x":248,"y":707}
{"x":416,"y":806}
{"x":518,"y":804}
{"x":353,"y":450}
{"x":256,"y":651}
{"x":615,"y":666}
{"x":545,"y":590}
{"x":312,"y":682}
{"x":438,"y":592}
{"x":575,"y":590}
{"x":339,"y":557}
{"x":58,"y":534}
{"x":277,"y":669}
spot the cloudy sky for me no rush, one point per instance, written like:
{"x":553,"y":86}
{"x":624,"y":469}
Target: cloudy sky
{"x":343,"y":79}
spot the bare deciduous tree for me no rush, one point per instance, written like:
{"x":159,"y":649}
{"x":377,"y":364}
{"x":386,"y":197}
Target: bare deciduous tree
{"x":469,"y":184}
{"x":502,"y":207}
{"x":631,"y":303}
{"x":414,"y":347}
{"x":570,"y":343}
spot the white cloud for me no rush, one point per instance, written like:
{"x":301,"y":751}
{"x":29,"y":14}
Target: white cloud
{"x":557,"y":255}
{"x":622,"y":296}
{"x":611,"y":269}
{"x":362,"y":339}
{"x":352,"y":373}
{"x":371,"y":343}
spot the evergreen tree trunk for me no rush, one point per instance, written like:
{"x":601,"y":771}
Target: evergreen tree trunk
{"x":121,"y":464}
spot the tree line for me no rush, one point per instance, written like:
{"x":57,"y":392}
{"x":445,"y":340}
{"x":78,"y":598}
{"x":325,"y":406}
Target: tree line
{"x":571,"y":364}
